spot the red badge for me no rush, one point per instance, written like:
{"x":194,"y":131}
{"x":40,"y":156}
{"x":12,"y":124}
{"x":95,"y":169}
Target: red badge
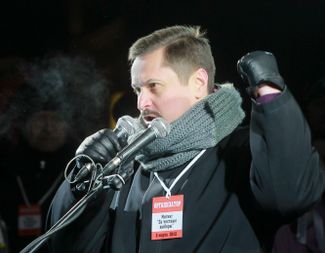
{"x":167,"y":217}
{"x":29,"y":220}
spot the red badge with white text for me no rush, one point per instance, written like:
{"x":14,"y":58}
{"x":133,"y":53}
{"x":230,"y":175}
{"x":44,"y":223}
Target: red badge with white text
{"x":167,"y":217}
{"x":29,"y":220}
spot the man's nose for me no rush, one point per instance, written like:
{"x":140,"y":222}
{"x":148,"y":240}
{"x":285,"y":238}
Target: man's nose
{"x":144,"y":100}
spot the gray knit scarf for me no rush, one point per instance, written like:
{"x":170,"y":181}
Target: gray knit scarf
{"x":201,"y":127}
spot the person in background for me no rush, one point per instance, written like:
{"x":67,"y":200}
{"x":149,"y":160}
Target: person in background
{"x":39,"y":132}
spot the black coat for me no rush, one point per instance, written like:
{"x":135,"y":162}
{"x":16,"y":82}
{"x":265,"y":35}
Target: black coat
{"x":236,"y":195}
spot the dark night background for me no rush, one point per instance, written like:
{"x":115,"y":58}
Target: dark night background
{"x":92,"y":38}
{"x":292,"y":30}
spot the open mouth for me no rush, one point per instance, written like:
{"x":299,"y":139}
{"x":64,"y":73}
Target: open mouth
{"x":149,"y":118}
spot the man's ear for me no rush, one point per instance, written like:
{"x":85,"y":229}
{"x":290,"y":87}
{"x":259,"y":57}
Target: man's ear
{"x":199,"y":82}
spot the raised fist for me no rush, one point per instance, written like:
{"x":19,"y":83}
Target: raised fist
{"x":260,"y":67}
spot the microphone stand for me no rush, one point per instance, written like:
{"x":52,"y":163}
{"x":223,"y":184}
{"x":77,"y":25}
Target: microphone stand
{"x":113,"y":183}
{"x":157,"y":128}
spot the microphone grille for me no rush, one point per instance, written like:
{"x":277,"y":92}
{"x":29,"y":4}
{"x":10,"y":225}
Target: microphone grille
{"x":160,"y":126}
{"x":128,"y":124}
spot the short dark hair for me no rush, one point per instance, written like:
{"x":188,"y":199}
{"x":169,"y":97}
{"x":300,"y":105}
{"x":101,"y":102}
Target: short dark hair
{"x":186,"y":48}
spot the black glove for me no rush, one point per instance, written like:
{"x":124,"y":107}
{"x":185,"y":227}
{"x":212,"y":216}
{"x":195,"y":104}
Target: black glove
{"x":101,"y":146}
{"x":260,"y":67}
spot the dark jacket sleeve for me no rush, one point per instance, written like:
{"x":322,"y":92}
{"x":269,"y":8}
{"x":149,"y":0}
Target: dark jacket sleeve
{"x":285,"y":174}
{"x":88,"y":232}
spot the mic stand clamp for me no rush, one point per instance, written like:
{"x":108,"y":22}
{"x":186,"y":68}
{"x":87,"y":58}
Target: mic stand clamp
{"x":117,"y":180}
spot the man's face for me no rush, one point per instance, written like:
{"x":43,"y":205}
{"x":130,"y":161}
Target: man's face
{"x":159,"y":89}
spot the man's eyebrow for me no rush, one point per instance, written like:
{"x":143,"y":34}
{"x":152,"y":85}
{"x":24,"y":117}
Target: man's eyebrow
{"x":137,"y":85}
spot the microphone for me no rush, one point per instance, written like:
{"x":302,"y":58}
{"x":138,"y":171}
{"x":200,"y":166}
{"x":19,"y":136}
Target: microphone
{"x":125,"y":127}
{"x":158,"y":128}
